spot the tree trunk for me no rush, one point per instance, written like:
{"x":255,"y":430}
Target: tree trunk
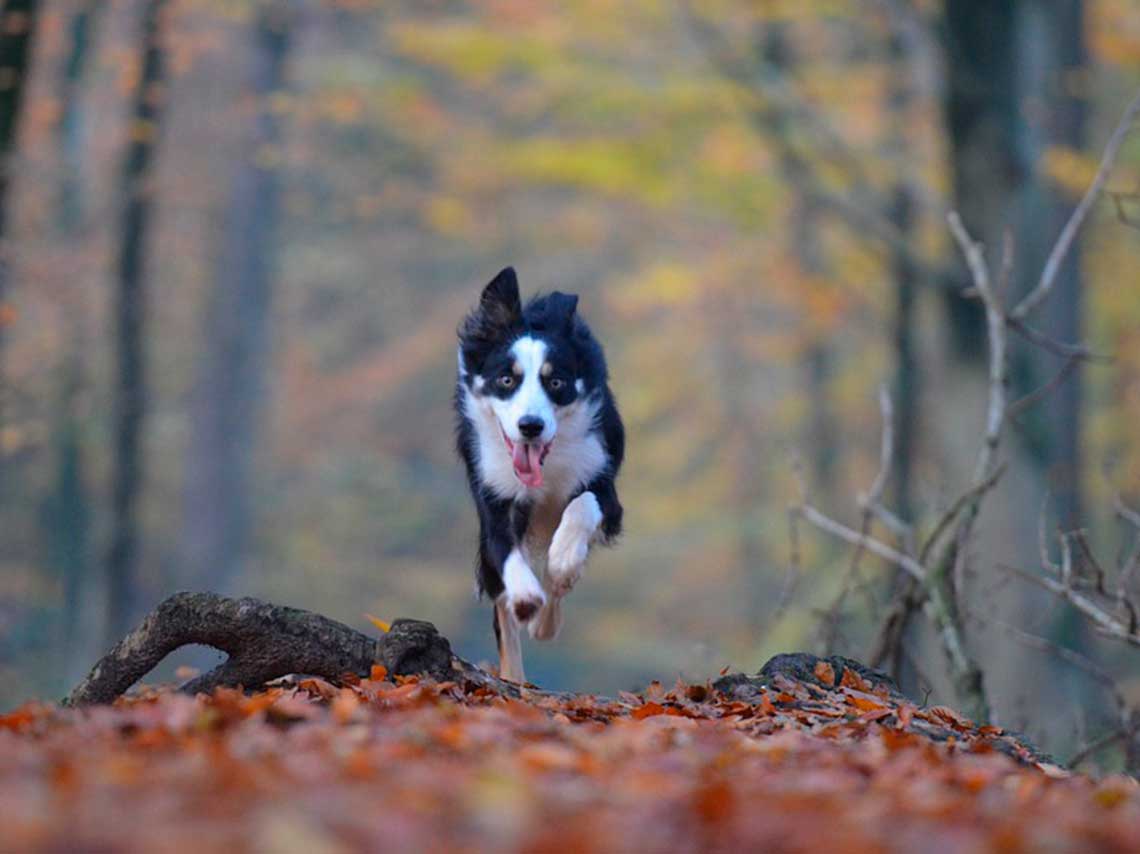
{"x":17,"y":38}
{"x":982,"y":116}
{"x":1053,"y":63}
{"x":67,"y":511}
{"x":130,"y":317}
{"x":228,"y":398}
{"x":70,"y":132}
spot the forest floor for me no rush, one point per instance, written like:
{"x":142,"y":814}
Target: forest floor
{"x":828,"y":762}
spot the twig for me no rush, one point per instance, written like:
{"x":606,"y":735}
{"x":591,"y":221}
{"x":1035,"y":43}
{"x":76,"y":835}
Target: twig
{"x":1069,"y":232}
{"x":1037,"y":395}
{"x":1057,"y":348}
{"x":1098,"y":745}
{"x":1069,"y":656}
{"x":995,"y":325}
{"x":974,"y":493}
{"x":875,"y":547}
{"x":1103,"y":620}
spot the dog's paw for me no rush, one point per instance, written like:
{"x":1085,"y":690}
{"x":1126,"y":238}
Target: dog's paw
{"x":571,"y":543}
{"x":524,"y":596}
{"x":547,"y":624}
{"x":525,"y":608}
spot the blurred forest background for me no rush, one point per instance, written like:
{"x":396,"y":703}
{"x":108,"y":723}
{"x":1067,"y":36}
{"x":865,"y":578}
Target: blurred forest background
{"x":238,"y":237}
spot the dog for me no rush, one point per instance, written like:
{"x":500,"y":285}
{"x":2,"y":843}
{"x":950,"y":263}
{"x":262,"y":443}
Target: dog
{"x":540,"y":435}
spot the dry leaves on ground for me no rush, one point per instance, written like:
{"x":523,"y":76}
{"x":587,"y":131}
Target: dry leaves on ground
{"x":418,"y":766}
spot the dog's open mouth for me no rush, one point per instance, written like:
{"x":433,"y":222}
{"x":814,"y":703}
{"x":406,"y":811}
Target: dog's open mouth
{"x":527,"y":458}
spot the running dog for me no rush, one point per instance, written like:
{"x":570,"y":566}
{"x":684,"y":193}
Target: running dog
{"x":540,"y":435}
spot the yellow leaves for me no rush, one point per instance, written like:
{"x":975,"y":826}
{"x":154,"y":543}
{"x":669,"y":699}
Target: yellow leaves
{"x":1068,"y":168}
{"x":1115,"y":791}
{"x":382,"y":626}
{"x":664,"y":285}
{"x":450,"y":216}
{"x":466,"y":49}
{"x":618,"y":168}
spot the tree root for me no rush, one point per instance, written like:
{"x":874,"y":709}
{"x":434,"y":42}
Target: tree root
{"x":264,"y":642}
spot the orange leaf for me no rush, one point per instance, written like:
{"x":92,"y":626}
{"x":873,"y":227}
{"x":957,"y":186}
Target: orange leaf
{"x":864,"y":704}
{"x":825,"y":673}
{"x":379,"y":673}
{"x":378,"y":623}
{"x":647,"y":711}
{"x":851,"y":679}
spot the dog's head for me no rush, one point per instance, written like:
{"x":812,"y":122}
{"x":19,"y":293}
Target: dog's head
{"x":528,"y":366}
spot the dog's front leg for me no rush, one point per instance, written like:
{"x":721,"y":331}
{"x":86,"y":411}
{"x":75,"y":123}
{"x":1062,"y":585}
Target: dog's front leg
{"x":520,"y":602}
{"x":571,"y":543}
{"x":567,"y":556}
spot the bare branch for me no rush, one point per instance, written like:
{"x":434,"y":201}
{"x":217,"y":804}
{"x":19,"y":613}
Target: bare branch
{"x":1104,"y":621}
{"x":995,"y":325}
{"x":886,"y":449}
{"x":1069,"y":656}
{"x":875,"y":547}
{"x":1098,"y":745}
{"x":967,"y":498}
{"x":1037,"y":395}
{"x":1057,"y":348}
{"x":1069,"y":232}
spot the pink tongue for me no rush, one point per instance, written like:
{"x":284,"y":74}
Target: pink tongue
{"x":527,"y":460}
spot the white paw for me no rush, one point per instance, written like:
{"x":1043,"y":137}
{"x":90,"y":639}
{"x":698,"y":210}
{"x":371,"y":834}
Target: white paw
{"x":571,"y":543}
{"x":523,"y":596}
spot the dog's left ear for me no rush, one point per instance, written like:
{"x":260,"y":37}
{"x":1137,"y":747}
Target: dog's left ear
{"x":561,"y":308}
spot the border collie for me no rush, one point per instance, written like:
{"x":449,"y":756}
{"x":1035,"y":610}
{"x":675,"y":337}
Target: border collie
{"x":542,"y":440}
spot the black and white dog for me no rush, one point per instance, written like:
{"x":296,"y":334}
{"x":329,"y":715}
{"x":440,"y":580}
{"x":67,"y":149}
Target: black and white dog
{"x":542,"y":440}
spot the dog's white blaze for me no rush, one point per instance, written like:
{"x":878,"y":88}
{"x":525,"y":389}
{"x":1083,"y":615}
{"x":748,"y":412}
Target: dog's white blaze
{"x":575,"y":458}
{"x":530,"y":397}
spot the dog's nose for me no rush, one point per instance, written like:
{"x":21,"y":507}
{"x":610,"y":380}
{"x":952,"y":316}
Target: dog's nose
{"x":530,"y":426}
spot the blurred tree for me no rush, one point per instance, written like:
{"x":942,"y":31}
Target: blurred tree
{"x":65,"y":519}
{"x":227,"y":401}
{"x":776,"y":52}
{"x":982,"y":115}
{"x":66,"y":512}
{"x":1055,"y":64}
{"x":130,"y":397}
{"x":1016,"y":87}
{"x":70,"y":130}
{"x":17,"y":35}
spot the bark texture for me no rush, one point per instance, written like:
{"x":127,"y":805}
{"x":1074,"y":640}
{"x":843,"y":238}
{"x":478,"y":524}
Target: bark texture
{"x":264,"y":642}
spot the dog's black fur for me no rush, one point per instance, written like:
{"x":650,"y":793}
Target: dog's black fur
{"x":574,"y":380}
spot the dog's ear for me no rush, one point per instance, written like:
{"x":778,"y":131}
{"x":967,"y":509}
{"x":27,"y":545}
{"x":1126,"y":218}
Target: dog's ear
{"x":498,"y":312}
{"x":500,"y":304}
{"x":560,"y":309}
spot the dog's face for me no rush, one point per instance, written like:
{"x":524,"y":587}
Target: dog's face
{"x":524,"y":368}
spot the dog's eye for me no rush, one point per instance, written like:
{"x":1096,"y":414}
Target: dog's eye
{"x":556,"y":383}
{"x":506,"y":381}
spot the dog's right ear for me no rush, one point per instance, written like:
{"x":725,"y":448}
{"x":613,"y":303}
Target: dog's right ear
{"x":498,"y":312}
{"x":500,"y":304}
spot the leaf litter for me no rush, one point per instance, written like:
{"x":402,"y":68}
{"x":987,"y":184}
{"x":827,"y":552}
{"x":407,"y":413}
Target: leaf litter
{"x":407,"y":764}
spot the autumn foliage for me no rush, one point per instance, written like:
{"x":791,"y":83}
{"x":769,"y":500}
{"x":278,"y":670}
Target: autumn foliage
{"x":378,"y":764}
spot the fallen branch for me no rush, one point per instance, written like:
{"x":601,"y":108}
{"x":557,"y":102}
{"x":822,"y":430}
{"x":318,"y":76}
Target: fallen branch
{"x":264,"y":642}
